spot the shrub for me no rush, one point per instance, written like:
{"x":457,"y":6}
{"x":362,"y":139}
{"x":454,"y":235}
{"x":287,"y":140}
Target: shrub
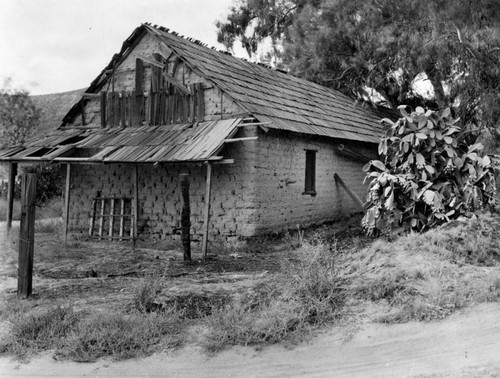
{"x":49,"y":182}
{"x":430,"y":174}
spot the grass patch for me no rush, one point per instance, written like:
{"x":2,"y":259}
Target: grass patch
{"x":308,"y":293}
{"x":120,"y":336}
{"x":35,"y":332}
{"x":85,"y":337}
{"x":428,"y":276}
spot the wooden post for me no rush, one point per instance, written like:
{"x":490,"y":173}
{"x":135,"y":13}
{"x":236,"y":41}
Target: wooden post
{"x":208,"y":186}
{"x":26,"y":235}
{"x":185,"y":217}
{"x":135,"y":204}
{"x":10,"y":194}
{"x":66,"y":202}
{"x":353,"y":195}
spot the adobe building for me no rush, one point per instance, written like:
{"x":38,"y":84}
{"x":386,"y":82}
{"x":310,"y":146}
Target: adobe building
{"x":265,"y":151}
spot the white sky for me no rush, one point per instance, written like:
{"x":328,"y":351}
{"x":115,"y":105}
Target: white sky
{"x":49,"y":46}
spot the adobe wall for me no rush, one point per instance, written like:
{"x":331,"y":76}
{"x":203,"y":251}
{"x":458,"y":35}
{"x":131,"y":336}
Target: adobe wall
{"x":160,"y":201}
{"x":280,"y":181}
{"x":217,"y":105}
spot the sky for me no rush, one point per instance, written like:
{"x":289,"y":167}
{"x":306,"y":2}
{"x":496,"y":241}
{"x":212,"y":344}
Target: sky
{"x":49,"y":46}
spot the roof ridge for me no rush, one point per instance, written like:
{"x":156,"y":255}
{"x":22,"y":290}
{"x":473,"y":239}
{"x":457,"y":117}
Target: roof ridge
{"x":200,"y":43}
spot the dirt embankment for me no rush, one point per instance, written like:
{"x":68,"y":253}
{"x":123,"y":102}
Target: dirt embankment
{"x":465,"y":344}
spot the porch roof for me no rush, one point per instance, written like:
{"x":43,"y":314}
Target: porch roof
{"x":198,"y":141}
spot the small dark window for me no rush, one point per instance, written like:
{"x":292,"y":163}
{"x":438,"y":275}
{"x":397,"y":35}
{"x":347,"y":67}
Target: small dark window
{"x":310,"y":182}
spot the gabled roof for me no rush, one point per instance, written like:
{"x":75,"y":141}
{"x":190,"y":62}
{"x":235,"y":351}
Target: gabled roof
{"x":268,"y":96}
{"x":287,"y":102}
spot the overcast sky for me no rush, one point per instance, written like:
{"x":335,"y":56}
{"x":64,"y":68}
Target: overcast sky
{"x":49,"y":46}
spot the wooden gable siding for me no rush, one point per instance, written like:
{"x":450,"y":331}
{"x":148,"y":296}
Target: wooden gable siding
{"x":155,"y":103}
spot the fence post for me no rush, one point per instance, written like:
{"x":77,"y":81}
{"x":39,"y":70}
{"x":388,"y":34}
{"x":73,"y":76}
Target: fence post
{"x":10,"y":194}
{"x":26,"y":235}
{"x":185,"y":217}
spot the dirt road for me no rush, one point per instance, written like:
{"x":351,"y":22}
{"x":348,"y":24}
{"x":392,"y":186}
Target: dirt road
{"x":466,"y":344}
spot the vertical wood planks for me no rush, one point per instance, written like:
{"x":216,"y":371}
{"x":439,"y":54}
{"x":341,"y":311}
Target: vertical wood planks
{"x":26,"y":235}
{"x":103,"y":109}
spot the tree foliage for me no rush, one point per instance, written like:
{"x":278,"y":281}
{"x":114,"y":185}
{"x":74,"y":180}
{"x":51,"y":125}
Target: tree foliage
{"x":19,"y":116}
{"x":430,"y":173}
{"x":389,"y":46}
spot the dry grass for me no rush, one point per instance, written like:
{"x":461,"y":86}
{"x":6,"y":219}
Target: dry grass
{"x":428,"y":276}
{"x":322,"y":273}
{"x":308,"y":293}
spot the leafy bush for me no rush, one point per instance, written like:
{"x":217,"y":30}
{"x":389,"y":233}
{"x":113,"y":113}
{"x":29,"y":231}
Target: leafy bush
{"x":430,"y":173}
{"x":49,"y":182}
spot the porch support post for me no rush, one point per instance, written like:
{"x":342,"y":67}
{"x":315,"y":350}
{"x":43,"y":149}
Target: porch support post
{"x":207,"y":209}
{"x":10,"y":194}
{"x":135,"y":180}
{"x":66,"y":202}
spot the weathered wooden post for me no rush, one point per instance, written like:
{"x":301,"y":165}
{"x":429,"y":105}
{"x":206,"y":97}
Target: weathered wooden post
{"x":26,"y":235}
{"x":185,"y":217}
{"x":66,"y":202}
{"x":10,"y":194}
{"x":207,"y":210}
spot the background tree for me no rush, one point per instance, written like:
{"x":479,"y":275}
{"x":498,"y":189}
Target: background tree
{"x":19,"y":117}
{"x":390,"y":47}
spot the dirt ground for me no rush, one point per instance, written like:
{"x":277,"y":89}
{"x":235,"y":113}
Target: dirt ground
{"x":104,"y":276}
{"x":466,"y":345}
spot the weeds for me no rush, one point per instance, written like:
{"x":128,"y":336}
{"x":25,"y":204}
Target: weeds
{"x":33,"y":333}
{"x":428,"y":276}
{"x":307,"y":293}
{"x":120,"y":336}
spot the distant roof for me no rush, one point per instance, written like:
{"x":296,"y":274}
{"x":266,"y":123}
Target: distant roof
{"x":287,"y":102}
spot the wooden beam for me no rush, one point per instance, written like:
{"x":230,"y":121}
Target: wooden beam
{"x":176,"y":83}
{"x":223,"y":161}
{"x":10,"y":194}
{"x":353,"y":195}
{"x":151,"y":61}
{"x":208,"y":186}
{"x":185,"y":216}
{"x":234,"y":140}
{"x":253,"y":124}
{"x":135,"y":203}
{"x":90,"y":96}
{"x":66,"y":202}
{"x":26,"y":235}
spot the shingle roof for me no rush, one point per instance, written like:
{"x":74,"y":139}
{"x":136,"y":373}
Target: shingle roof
{"x":288,"y":102}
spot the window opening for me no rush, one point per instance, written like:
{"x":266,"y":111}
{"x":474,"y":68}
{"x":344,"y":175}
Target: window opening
{"x":310,"y":179}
